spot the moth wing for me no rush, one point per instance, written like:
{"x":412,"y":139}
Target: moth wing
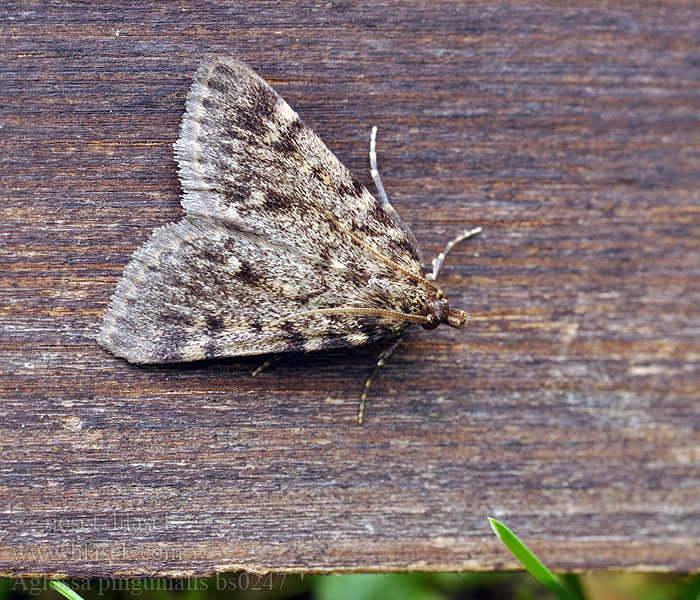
{"x":247,"y":158}
{"x":203,"y":289}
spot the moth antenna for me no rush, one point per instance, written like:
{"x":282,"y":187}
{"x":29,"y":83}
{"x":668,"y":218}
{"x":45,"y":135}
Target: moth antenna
{"x":440,"y":258}
{"x":367,"y":312}
{"x":381,"y":361}
{"x":373,"y":166}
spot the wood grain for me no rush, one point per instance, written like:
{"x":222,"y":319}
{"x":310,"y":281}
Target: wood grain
{"x":568,"y":409}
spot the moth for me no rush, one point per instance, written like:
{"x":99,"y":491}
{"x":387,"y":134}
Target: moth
{"x":281,"y":249}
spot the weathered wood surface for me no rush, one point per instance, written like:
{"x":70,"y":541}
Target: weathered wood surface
{"x":569,"y":408}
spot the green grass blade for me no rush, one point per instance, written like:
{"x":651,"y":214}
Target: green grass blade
{"x":533,"y":564}
{"x":62,"y":588}
{"x":692,"y":590}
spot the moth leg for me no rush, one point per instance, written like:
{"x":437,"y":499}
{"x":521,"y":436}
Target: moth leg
{"x":266,"y":364}
{"x":383,"y":357}
{"x":440,"y":258}
{"x":373,"y":166}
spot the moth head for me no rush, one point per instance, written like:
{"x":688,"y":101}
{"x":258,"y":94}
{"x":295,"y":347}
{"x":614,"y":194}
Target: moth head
{"x":437,"y":311}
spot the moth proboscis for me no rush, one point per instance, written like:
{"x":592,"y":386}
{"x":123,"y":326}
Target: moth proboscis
{"x":281,"y":248}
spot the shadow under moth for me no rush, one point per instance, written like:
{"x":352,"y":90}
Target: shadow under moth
{"x":281,"y":249}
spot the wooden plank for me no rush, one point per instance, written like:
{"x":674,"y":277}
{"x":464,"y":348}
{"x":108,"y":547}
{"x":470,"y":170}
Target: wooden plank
{"x":569,"y":408}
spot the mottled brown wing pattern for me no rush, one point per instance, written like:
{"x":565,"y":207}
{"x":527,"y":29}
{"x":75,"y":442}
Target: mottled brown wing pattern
{"x":277,"y":232}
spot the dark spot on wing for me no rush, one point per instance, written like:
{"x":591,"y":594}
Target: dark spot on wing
{"x":208,"y":103}
{"x":214,"y":323}
{"x":288,"y":139}
{"x":377,"y":213}
{"x":220,"y":85}
{"x":176,"y":318}
{"x":317,"y":173}
{"x":266,"y":104}
{"x":223,"y":70}
{"x":247,"y":274}
{"x":275,"y":200}
{"x":250,"y":120}
{"x":351,"y":190}
{"x":235,"y":193}
{"x":213,"y":257}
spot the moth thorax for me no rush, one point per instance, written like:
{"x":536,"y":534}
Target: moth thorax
{"x":437,"y":311}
